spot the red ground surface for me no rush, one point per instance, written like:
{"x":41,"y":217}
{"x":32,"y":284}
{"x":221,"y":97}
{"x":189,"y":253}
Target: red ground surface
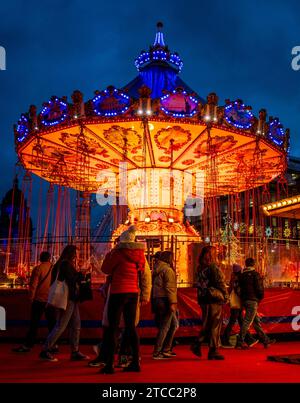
{"x":239,"y":366}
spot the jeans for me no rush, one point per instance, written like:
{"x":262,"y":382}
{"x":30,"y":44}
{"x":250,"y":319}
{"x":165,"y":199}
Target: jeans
{"x":211,"y":325}
{"x":125,"y":303}
{"x":37,"y":310}
{"x":235,"y":315}
{"x":167,"y":324}
{"x":250,"y":318}
{"x":70,"y":317}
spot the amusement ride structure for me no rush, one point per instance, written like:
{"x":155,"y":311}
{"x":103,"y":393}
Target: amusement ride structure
{"x":159,"y":148}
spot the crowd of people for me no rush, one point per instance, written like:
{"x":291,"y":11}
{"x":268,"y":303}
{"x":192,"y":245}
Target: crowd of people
{"x":130,"y":284}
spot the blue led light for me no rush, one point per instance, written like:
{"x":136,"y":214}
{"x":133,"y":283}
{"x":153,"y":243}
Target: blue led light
{"x":122,"y":99}
{"x":57,"y":106}
{"x":22,"y":128}
{"x":178,"y":114}
{"x":162,"y":55}
{"x":238,"y":116}
{"x":276,"y":133}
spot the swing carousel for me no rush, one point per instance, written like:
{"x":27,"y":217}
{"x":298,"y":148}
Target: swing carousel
{"x":159,"y":148}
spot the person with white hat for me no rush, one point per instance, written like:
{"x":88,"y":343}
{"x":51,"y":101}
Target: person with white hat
{"x":123,"y":263}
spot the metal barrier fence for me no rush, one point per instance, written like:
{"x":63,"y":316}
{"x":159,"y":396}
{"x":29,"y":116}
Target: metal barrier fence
{"x":276,"y":259}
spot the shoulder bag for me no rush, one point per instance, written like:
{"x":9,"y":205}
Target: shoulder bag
{"x":58,"y":293}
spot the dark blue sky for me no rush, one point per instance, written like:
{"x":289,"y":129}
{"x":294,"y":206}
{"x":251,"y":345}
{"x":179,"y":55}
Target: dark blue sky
{"x":239,"y":49}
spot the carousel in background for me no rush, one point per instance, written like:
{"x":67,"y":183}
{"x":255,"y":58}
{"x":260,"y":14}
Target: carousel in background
{"x":158,"y":148}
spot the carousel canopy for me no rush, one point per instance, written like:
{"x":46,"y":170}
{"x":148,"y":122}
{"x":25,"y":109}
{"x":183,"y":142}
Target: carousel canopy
{"x":155,"y":121}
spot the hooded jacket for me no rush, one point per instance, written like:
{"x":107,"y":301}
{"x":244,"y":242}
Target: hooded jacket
{"x":164,"y":282}
{"x":124,"y":263}
{"x":251,"y":285}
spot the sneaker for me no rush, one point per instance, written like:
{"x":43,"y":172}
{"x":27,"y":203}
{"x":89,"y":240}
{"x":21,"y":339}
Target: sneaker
{"x":21,"y":349}
{"x":160,"y":356}
{"x":54,"y":349}
{"x":241,"y":346}
{"x":252,"y":343}
{"x":169,"y":353}
{"x":124,"y":361}
{"x":45,"y":355}
{"x":107,"y":370}
{"x":132,"y":368}
{"x":215,"y":355}
{"x":78,"y":356}
{"x":96,"y":363}
{"x":226,"y":344}
{"x":196,"y":349}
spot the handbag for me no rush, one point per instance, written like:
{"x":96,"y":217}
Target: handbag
{"x":85,"y":288}
{"x":58,"y":294}
{"x":234,"y":300}
{"x":215,"y":295}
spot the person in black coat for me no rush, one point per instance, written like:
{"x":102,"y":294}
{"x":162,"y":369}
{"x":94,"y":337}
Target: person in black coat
{"x":236,"y":311}
{"x":252,"y":293}
{"x":212,"y":294}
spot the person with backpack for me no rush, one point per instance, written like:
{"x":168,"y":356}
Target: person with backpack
{"x":39,"y":284}
{"x":252,"y":293}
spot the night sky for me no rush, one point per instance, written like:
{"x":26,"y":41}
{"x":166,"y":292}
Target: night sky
{"x":236,"y":49}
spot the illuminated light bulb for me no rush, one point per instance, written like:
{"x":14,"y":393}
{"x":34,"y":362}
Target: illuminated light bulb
{"x":171,"y":219}
{"x":274,"y":205}
{"x":147,"y":219}
{"x":207,"y":117}
{"x":75,"y":116}
{"x":284,"y":203}
{"x":215,"y":119}
{"x":140,"y":112}
{"x":294,"y":200}
{"x":265,"y":208}
{"x":149,"y":112}
{"x":290,"y":201}
{"x":279,"y":204}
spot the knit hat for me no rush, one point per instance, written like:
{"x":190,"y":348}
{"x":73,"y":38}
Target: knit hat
{"x":236,"y":268}
{"x":128,"y":235}
{"x":166,"y":256}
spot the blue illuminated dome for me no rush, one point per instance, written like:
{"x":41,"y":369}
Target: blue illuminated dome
{"x":158,"y":69}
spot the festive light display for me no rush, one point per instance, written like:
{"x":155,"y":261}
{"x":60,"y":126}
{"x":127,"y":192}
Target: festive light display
{"x":237,"y":115}
{"x":54,"y":112}
{"x":166,"y":149}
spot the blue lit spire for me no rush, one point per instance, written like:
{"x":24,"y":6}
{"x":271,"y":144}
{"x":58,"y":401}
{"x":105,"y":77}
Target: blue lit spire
{"x":159,"y":37}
